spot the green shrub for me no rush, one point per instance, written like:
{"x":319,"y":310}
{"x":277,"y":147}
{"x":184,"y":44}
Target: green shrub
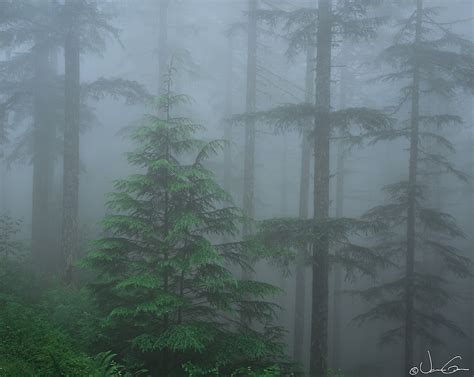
{"x":31,"y":346}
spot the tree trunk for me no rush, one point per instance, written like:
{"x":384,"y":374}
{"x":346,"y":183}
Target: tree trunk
{"x":3,"y":181}
{"x":70,"y":236}
{"x":3,"y":154}
{"x":411,"y":213}
{"x":227,"y":125}
{"x":319,"y":313}
{"x":249,"y":163}
{"x":3,"y":167}
{"x":469,"y":212}
{"x":162,"y":43}
{"x":42,"y":246}
{"x":300,"y":281}
{"x":249,"y":147}
{"x":338,"y":272}
{"x":283,"y":174}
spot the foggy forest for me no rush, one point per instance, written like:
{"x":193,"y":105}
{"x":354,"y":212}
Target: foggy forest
{"x":236,"y":188}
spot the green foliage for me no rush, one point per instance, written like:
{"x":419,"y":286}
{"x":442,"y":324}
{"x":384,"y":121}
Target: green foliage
{"x":354,"y":125}
{"x":289,"y":235}
{"x":351,"y":19}
{"x":30,"y":345}
{"x":74,"y":310}
{"x":106,"y":366}
{"x":9,"y":228}
{"x":443,"y":69}
{"x":435,"y":234}
{"x":272,"y":371}
{"x":165,"y":287}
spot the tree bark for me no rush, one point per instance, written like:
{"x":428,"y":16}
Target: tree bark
{"x":3,"y":182}
{"x":249,"y":147}
{"x":43,"y":165}
{"x":162,"y":43}
{"x":70,"y":236}
{"x":319,"y":316}
{"x":411,"y":213}
{"x":3,"y":167}
{"x":249,"y":162}
{"x":338,"y":271}
{"x":300,"y":273}
{"x":227,"y":125}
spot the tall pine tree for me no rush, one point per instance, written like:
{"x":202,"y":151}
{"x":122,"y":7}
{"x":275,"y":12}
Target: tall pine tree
{"x":427,"y":60}
{"x":318,"y":27}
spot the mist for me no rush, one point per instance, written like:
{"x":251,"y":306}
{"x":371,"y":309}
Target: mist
{"x":236,"y":188}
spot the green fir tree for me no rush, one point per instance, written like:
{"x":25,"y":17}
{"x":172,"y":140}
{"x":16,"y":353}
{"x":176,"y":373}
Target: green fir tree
{"x":170,"y":297}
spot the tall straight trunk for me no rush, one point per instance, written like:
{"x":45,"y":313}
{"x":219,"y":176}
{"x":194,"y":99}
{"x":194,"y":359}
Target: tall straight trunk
{"x":338,"y":273}
{"x":3,"y":180}
{"x":249,"y":147}
{"x":162,"y":43}
{"x":469,"y":212}
{"x":251,"y":98}
{"x":283,"y":212}
{"x":411,"y":213}
{"x":430,"y":105}
{"x":228,"y":111}
{"x":319,"y":312}
{"x":300,"y":281}
{"x":70,"y":236}
{"x":43,"y":160}
{"x":283,"y":174}
{"x":3,"y":155}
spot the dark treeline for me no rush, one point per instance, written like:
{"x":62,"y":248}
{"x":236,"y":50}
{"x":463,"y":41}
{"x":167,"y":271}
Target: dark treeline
{"x":248,"y":188}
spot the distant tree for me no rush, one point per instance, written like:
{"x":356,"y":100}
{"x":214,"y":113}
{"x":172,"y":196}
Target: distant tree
{"x":26,"y":25}
{"x":32,"y":89}
{"x":318,"y":27}
{"x":300,"y":271}
{"x":250,"y":106}
{"x":168,"y":296}
{"x":427,"y":60}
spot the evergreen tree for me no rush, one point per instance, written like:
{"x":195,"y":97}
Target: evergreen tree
{"x":426,"y":60}
{"x":32,"y":89}
{"x":318,"y":27}
{"x":35,"y":70}
{"x":167,"y":292}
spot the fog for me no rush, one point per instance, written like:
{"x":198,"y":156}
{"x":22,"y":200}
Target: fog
{"x":342,"y":132}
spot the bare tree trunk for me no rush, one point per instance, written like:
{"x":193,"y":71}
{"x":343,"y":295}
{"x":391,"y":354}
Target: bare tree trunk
{"x":249,"y":147}
{"x":300,"y":281}
{"x":227,"y":125}
{"x":3,"y":165}
{"x":249,"y":163}
{"x":319,"y":313}
{"x":338,"y":272}
{"x":3,"y":155}
{"x":162,"y":43}
{"x":283,"y":173}
{"x":3,"y":181}
{"x":470,"y":211}
{"x":42,"y":163}
{"x":411,"y":214}
{"x":70,"y":236}
{"x":42,"y":246}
